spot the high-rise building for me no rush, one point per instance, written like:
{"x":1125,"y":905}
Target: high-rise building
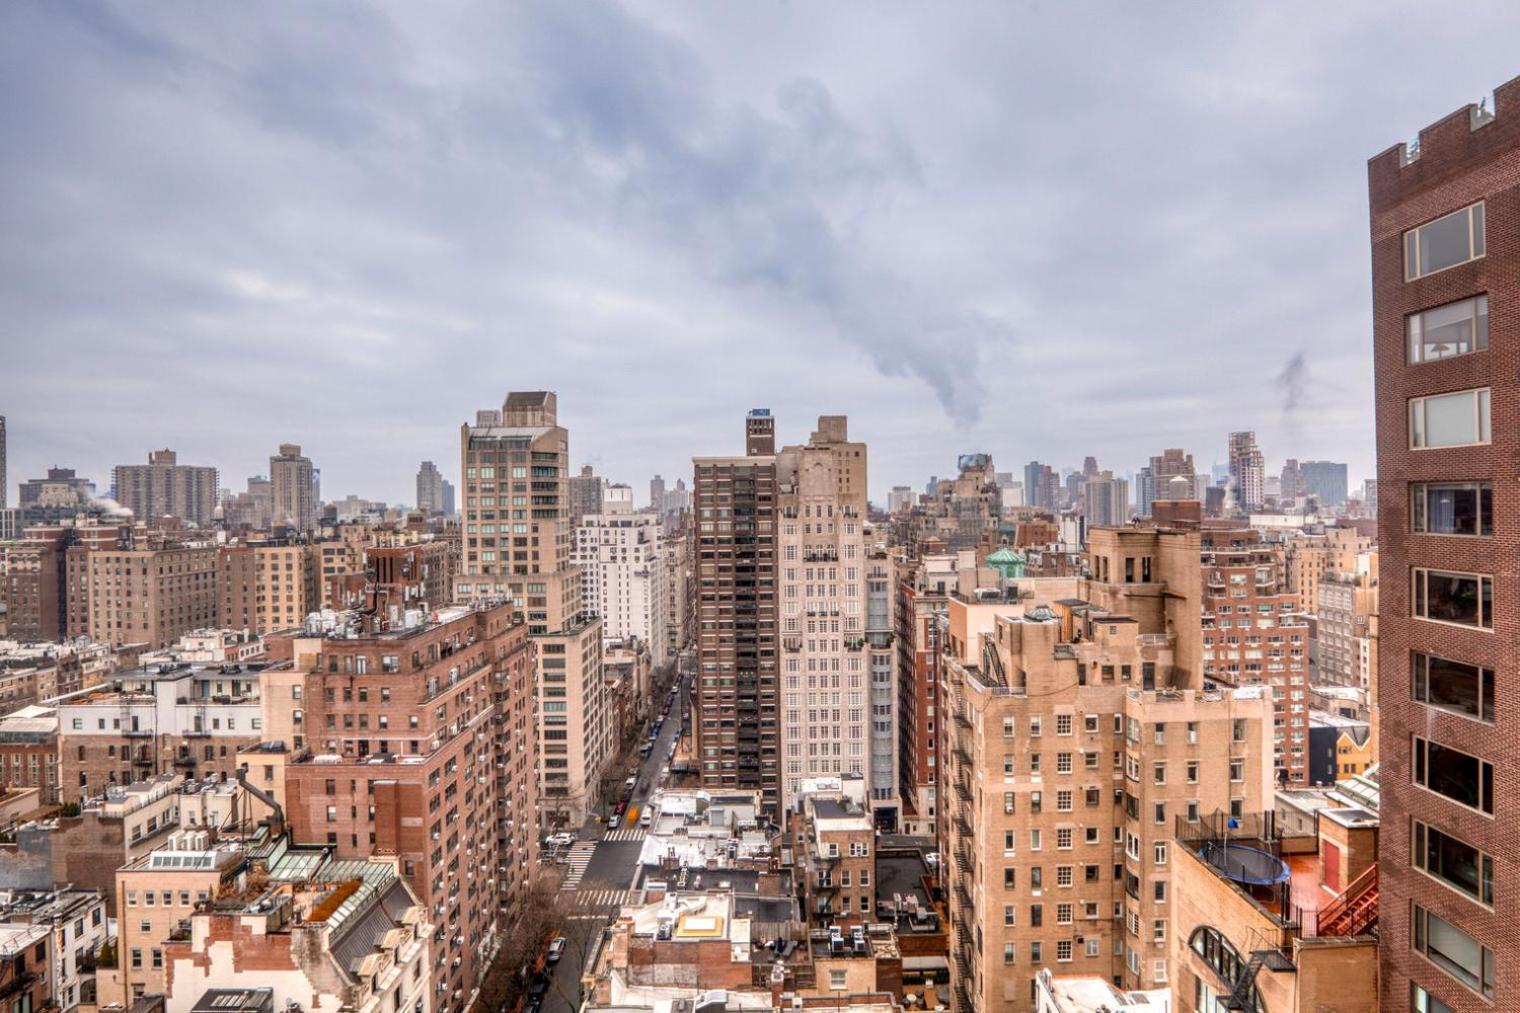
{"x":61,"y":488}
{"x":1247,"y":472}
{"x":1255,"y":634}
{"x":1042,"y":486}
{"x":433,"y":491}
{"x":1105,"y":500}
{"x":586,"y":492}
{"x":165,"y":488}
{"x":621,"y":555}
{"x":734,"y":561}
{"x":1169,"y":476}
{"x":900,"y":498}
{"x":1325,"y":481}
{"x":417,"y":742}
{"x":962,"y":512}
{"x":1445,"y":256}
{"x":657,"y":494}
{"x":1370,"y":497}
{"x":294,"y":493}
{"x":1290,"y":486}
{"x":821,"y":499}
{"x":517,"y":543}
{"x":268,"y":586}
{"x":1078,"y":734}
{"x":4,"y":482}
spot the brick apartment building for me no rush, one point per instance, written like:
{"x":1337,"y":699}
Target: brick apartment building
{"x":1446,"y":290}
{"x":1075,"y":728}
{"x":735,"y":696}
{"x":1255,"y":635}
{"x":170,"y":717}
{"x":165,"y":488}
{"x":419,"y":745}
{"x":151,"y":595}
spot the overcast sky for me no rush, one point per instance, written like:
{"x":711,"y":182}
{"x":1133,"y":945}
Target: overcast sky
{"x":1040,"y":230}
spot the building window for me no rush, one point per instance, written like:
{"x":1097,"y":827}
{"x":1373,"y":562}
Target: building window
{"x":837,"y":979}
{"x":1421,"y":1001}
{"x":1465,"y":599}
{"x":1446,"y":242}
{"x":1451,"y":508}
{"x":1461,"y":777}
{"x":1457,"y":328}
{"x":1453,"y":951}
{"x":1455,"y":863}
{"x":1009,"y":951}
{"x":1453,"y":686}
{"x":1063,"y":950}
{"x":1459,"y":419}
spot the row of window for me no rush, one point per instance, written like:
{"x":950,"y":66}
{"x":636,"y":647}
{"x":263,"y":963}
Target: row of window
{"x":1457,"y":419}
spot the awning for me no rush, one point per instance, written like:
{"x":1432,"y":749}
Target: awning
{"x":925,"y":964}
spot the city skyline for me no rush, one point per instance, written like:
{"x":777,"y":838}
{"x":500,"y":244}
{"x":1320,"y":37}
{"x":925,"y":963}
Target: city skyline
{"x":686,"y":238}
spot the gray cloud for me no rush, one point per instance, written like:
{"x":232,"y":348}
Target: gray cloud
{"x":349,"y":226}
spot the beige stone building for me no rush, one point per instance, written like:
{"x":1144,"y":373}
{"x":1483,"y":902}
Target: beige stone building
{"x":517,"y":543}
{"x":1075,"y":729}
{"x":151,"y":595}
{"x":296,"y":497}
{"x":821,"y":554}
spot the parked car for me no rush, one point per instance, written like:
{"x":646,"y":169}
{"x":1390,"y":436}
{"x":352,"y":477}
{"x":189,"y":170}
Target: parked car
{"x":556,"y":949}
{"x":620,"y":808}
{"x":615,"y":822}
{"x":645,"y":750}
{"x":560,"y":840}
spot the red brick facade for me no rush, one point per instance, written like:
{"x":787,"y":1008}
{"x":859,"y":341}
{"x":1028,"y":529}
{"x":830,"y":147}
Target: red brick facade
{"x":1462,"y":159}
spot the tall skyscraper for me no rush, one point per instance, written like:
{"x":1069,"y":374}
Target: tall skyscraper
{"x":517,"y":543}
{"x":1326,"y":481}
{"x":1042,"y":486}
{"x":431,"y":485}
{"x":735,"y":697}
{"x":657,"y":494}
{"x":293,"y":489}
{"x":1247,"y":472}
{"x":165,"y":488}
{"x":1444,"y":256}
{"x":4,"y":482}
{"x":821,"y":495}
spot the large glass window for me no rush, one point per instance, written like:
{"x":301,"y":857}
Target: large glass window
{"x":1457,"y":328}
{"x":1455,"y":863}
{"x":1454,"y":686}
{"x":1452,"y":508}
{"x":1463,"y":598}
{"x":1449,"y":420}
{"x":1446,"y":242}
{"x":1459,"y":776}
{"x":1453,"y":951}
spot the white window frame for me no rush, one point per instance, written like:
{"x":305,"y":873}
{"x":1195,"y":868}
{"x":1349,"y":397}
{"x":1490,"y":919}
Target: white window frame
{"x":1477,"y":241}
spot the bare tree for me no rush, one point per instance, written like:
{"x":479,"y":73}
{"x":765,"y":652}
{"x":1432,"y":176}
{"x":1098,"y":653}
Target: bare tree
{"x":537,"y":921}
{"x":583,"y":926}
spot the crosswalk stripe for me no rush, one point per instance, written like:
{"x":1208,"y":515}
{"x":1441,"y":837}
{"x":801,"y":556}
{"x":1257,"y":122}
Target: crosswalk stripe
{"x":626,"y":835}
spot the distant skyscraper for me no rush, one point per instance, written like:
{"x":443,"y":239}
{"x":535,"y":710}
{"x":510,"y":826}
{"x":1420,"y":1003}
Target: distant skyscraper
{"x":1326,"y":481}
{"x":1247,"y":471}
{"x":1370,"y":497}
{"x":657,"y":494}
{"x":4,"y":487}
{"x":165,"y":488}
{"x":1159,"y":479}
{"x":1042,"y":487}
{"x":1090,"y":467}
{"x":586,"y":492}
{"x":1105,"y":500}
{"x":900,"y":498}
{"x":430,"y":486}
{"x":294,"y":489}
{"x":1291,"y":485}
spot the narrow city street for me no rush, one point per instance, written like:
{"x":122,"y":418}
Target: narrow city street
{"x":602,"y":868}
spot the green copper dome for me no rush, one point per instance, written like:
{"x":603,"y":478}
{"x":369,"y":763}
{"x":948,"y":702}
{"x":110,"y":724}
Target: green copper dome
{"x":1007,"y":562}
